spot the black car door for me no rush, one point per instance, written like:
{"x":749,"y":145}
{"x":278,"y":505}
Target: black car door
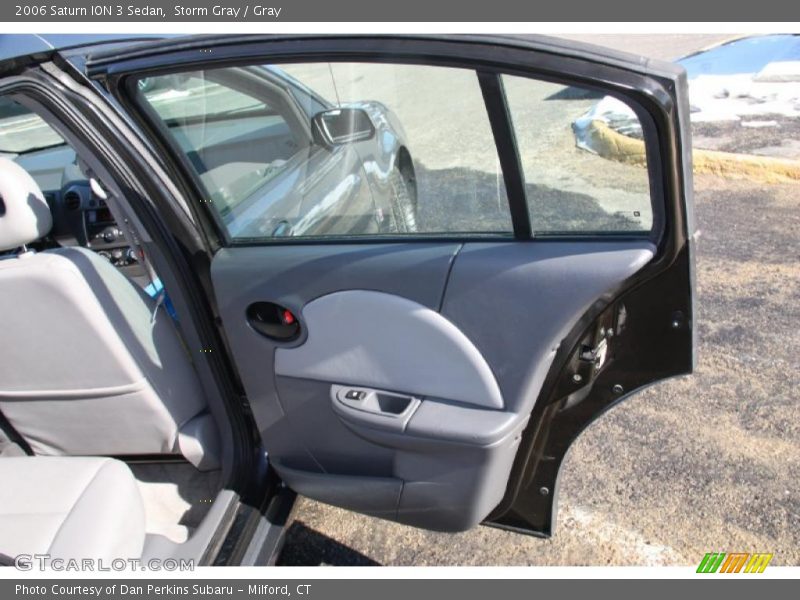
{"x":501,"y":250}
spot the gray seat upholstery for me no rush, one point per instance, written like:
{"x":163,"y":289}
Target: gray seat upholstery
{"x":70,"y":508}
{"x":89,"y":363}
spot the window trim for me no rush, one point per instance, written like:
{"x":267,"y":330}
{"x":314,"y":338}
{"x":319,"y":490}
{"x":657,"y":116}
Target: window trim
{"x":505,"y":141}
{"x":647,"y":136}
{"x":621,"y":83}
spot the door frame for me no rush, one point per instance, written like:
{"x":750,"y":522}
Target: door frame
{"x":253,"y":493}
{"x":663,"y":288}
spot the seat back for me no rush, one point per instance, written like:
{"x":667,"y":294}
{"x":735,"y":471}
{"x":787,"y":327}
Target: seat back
{"x":89,"y":364}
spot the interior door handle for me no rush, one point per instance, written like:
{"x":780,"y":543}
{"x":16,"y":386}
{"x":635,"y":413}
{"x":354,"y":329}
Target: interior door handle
{"x":387,"y":410}
{"x":273,"y":321}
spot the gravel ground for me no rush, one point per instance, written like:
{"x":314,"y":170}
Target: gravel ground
{"x":697,"y":464}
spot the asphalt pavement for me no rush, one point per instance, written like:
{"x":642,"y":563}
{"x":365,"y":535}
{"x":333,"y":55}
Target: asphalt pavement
{"x":705,"y":463}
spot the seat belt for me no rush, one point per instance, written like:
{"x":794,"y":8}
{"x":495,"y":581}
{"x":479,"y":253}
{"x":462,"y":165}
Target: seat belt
{"x":13,"y":436}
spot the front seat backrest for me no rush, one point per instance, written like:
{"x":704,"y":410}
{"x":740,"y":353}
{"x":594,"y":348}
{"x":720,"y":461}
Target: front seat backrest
{"x":28,"y":218}
{"x":89,"y":364}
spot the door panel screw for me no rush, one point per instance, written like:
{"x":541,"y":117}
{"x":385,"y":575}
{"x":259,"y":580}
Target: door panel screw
{"x":544,"y":491}
{"x":577,"y":378}
{"x":617,"y":389}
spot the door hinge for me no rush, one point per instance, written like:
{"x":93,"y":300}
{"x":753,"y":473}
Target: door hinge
{"x":597,"y":354}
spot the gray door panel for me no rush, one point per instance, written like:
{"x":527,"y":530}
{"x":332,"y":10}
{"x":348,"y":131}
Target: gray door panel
{"x":384,"y":341}
{"x":448,"y":344}
{"x":293,"y":276}
{"x":516,"y":302}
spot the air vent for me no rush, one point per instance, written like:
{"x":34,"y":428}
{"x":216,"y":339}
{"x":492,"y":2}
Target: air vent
{"x":72,"y":200}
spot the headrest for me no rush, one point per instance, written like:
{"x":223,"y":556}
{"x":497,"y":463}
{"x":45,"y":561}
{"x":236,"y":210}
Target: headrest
{"x":24,"y":214}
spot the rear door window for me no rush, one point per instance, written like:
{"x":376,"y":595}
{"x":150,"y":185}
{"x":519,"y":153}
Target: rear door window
{"x":267,"y":176}
{"x":415,"y":152}
{"x":583,"y":158}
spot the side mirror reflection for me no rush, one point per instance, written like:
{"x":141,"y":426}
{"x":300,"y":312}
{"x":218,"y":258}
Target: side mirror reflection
{"x":339,"y":126}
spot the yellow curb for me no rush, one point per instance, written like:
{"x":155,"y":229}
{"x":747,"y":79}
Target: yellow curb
{"x":621,"y":148}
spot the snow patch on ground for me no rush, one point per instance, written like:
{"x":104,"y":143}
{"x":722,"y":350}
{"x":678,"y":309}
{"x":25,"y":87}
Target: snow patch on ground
{"x":733,"y":97}
{"x":744,"y":81}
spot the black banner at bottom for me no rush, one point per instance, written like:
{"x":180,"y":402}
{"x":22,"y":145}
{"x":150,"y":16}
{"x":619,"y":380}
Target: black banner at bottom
{"x":384,"y":589}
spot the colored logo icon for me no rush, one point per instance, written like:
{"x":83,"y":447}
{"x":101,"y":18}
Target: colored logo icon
{"x":734,"y":562}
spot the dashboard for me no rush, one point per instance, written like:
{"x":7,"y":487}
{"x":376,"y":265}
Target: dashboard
{"x":89,"y":221}
{"x":80,"y":216}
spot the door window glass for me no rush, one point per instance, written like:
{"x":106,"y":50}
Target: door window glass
{"x":583,"y":157}
{"x":341,"y":149}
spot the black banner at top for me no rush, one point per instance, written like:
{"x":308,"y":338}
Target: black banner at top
{"x":406,"y":11}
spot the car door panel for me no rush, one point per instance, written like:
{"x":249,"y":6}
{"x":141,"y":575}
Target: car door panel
{"x":383,"y":341}
{"x":291,"y":276}
{"x":366,"y":326}
{"x":517,"y":302}
{"x":439,"y":381}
